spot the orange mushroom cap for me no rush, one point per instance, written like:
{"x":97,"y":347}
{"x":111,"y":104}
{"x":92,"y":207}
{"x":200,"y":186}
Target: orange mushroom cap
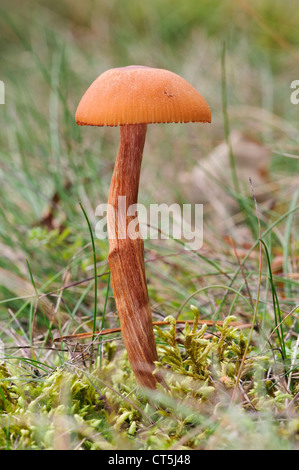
{"x":141,"y":95}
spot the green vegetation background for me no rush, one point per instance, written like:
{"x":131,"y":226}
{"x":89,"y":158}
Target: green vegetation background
{"x":50,"y":53}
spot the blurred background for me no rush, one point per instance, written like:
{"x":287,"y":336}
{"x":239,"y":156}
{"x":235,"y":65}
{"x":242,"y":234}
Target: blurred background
{"x":241,"y":56}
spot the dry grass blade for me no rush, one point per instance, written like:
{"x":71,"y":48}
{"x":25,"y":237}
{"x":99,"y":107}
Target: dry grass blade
{"x":291,"y":313}
{"x":24,"y":289}
{"x":257,"y":299}
{"x":156,"y":323}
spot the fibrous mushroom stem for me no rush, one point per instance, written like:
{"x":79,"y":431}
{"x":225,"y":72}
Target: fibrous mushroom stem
{"x":126,"y":257}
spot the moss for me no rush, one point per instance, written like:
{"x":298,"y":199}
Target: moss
{"x":73,"y":407}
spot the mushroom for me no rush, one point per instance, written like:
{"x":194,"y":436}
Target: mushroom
{"x":132,"y":97}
